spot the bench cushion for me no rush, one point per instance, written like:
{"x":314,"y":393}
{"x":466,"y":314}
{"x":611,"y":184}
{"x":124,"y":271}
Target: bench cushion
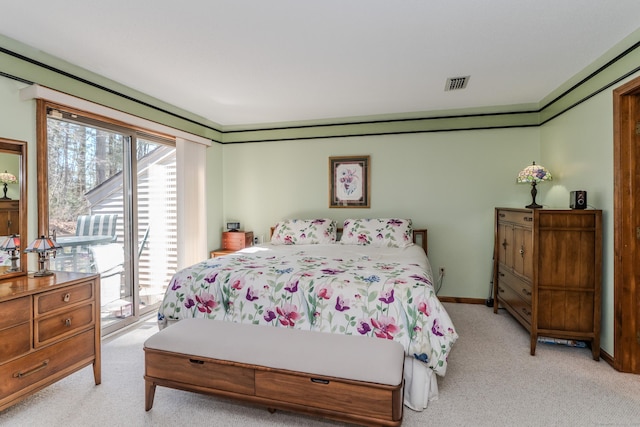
{"x":351,"y":357}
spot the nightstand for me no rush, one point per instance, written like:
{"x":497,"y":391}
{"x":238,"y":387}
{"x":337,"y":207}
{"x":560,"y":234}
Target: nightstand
{"x":233,"y":241}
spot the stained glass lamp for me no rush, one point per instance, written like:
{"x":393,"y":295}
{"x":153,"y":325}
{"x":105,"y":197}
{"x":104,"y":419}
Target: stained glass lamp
{"x":534,"y":174}
{"x":7,"y":178}
{"x":12,"y":247}
{"x":43,"y":246}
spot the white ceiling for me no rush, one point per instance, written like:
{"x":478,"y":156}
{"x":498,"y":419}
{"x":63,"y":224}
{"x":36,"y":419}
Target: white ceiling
{"x":242,"y":62}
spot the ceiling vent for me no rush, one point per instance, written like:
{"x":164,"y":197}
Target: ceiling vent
{"x":455,"y":83}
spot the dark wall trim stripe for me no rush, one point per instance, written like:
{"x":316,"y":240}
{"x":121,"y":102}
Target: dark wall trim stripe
{"x":97,"y":86}
{"x":612,"y":72}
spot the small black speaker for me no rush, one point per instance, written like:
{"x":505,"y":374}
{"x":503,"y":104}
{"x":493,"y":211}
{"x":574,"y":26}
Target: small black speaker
{"x":578,"y":200}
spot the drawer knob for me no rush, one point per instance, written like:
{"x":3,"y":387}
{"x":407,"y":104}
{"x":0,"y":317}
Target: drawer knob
{"x":67,"y":297}
{"x":67,"y":321}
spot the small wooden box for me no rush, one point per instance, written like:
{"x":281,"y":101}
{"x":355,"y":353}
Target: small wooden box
{"x":236,"y":240}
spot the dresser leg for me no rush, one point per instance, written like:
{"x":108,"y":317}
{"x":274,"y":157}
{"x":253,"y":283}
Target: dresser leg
{"x":97,"y":373}
{"x":534,"y":340}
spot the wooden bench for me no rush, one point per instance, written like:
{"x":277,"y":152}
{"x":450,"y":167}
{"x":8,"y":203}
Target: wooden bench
{"x":346,"y":378}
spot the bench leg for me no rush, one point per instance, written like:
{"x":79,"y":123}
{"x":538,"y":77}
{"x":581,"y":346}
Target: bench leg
{"x":149,"y":393}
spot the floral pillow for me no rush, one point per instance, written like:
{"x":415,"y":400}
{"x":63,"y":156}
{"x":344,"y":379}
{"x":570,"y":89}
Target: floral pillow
{"x":381,"y":232}
{"x":304,"y":232}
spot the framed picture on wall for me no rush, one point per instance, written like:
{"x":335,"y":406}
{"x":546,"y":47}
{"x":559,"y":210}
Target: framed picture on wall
{"x":349,"y":182}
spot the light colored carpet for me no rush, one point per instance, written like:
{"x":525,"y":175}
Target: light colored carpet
{"x":491,"y":380}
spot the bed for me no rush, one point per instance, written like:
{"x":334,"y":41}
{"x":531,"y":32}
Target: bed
{"x":374,"y":281}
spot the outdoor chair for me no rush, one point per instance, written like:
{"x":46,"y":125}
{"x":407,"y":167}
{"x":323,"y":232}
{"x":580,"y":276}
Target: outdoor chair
{"x":99,"y":224}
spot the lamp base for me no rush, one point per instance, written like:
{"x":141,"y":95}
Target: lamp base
{"x":43,"y":273}
{"x":533,"y":206}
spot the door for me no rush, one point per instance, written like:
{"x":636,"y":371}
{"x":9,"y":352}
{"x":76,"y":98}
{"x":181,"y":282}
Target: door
{"x":626,"y":108}
{"x":112,"y":209}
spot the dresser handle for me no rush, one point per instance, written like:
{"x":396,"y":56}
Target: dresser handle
{"x":67,"y":322}
{"x":528,"y":218}
{"x":319,"y":381}
{"x":43,"y":365}
{"x":526,"y":292}
{"x":501,"y":215}
{"x":521,"y":251}
{"x":525,"y":311}
{"x":67,"y":297}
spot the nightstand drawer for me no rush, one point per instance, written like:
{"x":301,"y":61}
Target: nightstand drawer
{"x":236,"y":240}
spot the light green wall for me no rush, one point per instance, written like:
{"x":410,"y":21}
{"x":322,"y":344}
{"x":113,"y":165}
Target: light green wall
{"x":18,"y":121}
{"x":577,"y":147}
{"x":448,"y":182}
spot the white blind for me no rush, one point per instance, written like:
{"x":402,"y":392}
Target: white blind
{"x":192,"y":215}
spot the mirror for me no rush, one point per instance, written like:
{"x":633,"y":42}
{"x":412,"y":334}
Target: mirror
{"x":13,"y":207}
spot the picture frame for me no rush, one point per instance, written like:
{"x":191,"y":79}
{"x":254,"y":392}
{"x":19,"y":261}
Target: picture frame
{"x":349,"y":182}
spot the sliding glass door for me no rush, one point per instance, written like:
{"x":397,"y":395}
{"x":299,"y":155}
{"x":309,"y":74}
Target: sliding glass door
{"x":112,"y":209}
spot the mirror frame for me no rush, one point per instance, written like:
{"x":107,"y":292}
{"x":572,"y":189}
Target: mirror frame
{"x":12,"y":146}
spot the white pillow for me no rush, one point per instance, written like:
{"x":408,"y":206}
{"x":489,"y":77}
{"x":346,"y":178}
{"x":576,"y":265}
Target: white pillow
{"x":304,"y":232}
{"x":380,"y":232}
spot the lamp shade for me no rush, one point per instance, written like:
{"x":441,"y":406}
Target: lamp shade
{"x":42,"y":244}
{"x":12,"y":243}
{"x":8,"y":178}
{"x":534,"y":173}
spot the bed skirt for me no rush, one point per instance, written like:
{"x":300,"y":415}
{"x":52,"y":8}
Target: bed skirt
{"x":420,"y":384}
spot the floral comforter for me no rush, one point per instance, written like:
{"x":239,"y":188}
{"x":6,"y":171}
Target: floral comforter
{"x":379,"y":292}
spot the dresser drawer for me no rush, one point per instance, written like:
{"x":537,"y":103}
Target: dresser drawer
{"x":24,"y":373}
{"x":15,"y":341}
{"x":517,"y":285}
{"x":518,"y":306}
{"x":197,"y":371}
{"x":372,"y":400}
{"x":15,"y":311}
{"x":54,"y":327}
{"x":54,"y":300}
{"x":522,"y":218}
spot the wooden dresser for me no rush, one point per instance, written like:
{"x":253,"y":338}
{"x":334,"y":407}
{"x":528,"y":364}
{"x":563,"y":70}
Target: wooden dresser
{"x":49,"y":328}
{"x":548,"y":272}
{"x":9,"y":217}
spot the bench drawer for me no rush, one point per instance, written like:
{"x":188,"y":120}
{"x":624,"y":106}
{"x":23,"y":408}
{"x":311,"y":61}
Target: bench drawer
{"x":198,"y":371}
{"x":372,"y":400}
